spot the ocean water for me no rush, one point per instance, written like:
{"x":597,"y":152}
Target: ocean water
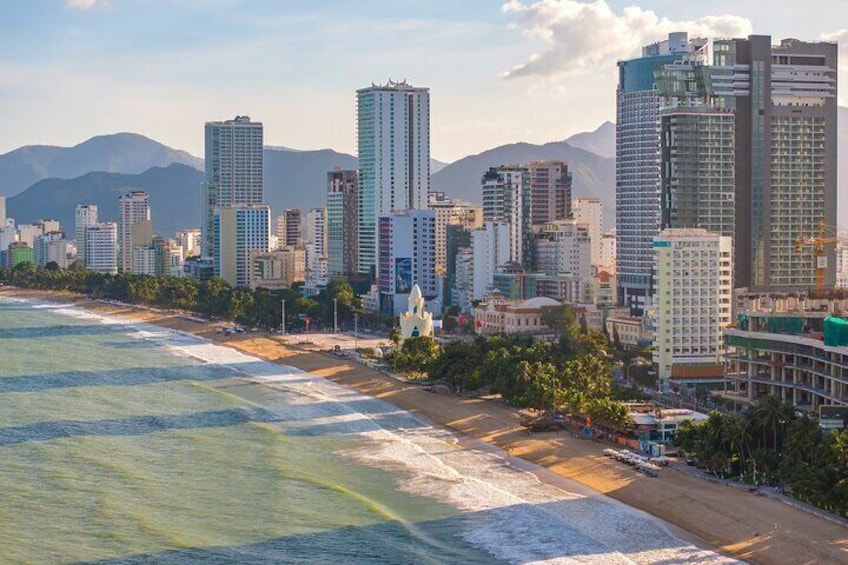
{"x":124,"y":443}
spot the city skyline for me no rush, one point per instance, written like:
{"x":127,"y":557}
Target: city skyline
{"x":537,"y":59}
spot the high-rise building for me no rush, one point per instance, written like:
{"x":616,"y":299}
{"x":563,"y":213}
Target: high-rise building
{"x":507,"y":199}
{"x":133,"y":209}
{"x":491,"y":248}
{"x":589,"y":212}
{"x":451,"y":212}
{"x":19,"y":252}
{"x":86,"y":216}
{"x":51,"y":248}
{"x":48,"y":225}
{"x":315,"y":246}
{"x":407,"y":256}
{"x":289,"y":227}
{"x":189,"y":241}
{"x":342,"y":222}
{"x":101,"y":247}
{"x":394,"y":158}
{"x":637,"y":169}
{"x":238,"y":231}
{"x":608,"y":252}
{"x":550,"y":183}
{"x":745,"y":146}
{"x":694,"y":292}
{"x":28,"y":232}
{"x":233,"y":170}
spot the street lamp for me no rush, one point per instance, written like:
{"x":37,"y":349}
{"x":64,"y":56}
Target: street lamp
{"x":283,"y":316}
{"x":356,"y":330}
{"x":335,"y":315}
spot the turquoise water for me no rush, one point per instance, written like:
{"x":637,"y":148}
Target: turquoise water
{"x":116,"y":447}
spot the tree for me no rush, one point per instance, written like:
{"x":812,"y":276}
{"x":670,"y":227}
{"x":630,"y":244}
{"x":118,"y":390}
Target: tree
{"x":770,"y":413}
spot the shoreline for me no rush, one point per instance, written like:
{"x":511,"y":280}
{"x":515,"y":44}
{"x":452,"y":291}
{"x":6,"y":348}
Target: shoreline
{"x":711,"y":516}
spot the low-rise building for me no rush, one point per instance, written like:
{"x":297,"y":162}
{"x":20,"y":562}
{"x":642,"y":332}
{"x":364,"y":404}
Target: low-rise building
{"x":799,"y":354}
{"x":278,"y":269}
{"x":497,"y":315}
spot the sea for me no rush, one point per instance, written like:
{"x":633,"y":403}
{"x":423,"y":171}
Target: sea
{"x":126,"y":443}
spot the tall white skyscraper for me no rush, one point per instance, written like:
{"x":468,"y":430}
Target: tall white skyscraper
{"x":589,"y":212}
{"x":394,"y":157}
{"x":233,"y":170}
{"x":133,"y":209}
{"x":101,"y":247}
{"x":506,"y":198}
{"x":86,"y":216}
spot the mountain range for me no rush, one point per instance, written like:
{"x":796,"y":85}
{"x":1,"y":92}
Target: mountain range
{"x":128,"y":153}
{"x":47,"y":181}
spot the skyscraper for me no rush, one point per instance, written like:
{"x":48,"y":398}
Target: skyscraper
{"x":233,"y":170}
{"x":86,"y":216}
{"x":134,"y":209}
{"x":101,"y":247}
{"x":589,"y":212}
{"x":694,"y":287}
{"x":550,"y":183}
{"x":394,"y":157}
{"x":342,"y":222}
{"x":289,"y":226}
{"x":507,"y":199}
{"x":238,"y":231}
{"x":407,"y":257}
{"x":743,"y":135}
{"x":637,"y":169}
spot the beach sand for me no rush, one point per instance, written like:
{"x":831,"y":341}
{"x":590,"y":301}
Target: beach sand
{"x":729,"y":520}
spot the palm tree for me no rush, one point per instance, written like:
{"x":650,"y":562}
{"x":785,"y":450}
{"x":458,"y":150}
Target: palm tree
{"x":395,"y":337}
{"x":771,"y":412}
{"x":738,"y":435}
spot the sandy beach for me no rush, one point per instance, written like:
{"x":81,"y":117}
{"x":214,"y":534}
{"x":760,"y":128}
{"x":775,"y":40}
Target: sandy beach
{"x":729,"y":520}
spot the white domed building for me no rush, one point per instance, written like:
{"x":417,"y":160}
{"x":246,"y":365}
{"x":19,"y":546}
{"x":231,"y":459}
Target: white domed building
{"x":496,"y":315}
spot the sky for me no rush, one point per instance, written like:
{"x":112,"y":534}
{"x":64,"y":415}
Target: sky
{"x":499,"y":71}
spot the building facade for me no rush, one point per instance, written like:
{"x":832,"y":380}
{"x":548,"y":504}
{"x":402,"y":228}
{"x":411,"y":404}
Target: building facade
{"x":589,"y":212}
{"x":342,"y":222}
{"x":133,"y":209}
{"x":451,"y":212}
{"x":407,"y":256}
{"x":550,"y":190}
{"x":490,"y":249}
{"x":507,"y":200}
{"x":101,"y":247}
{"x":233,"y":170}
{"x":238,"y":232}
{"x":393,"y":125}
{"x":637,"y":168}
{"x":693,"y":304}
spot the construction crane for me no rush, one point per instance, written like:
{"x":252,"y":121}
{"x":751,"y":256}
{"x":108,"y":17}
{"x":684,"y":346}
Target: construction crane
{"x":818,"y":244}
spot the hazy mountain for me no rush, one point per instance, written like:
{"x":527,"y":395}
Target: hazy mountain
{"x":174,"y":197}
{"x":128,"y":153}
{"x":436,"y":166}
{"x":600,"y":142}
{"x":298,"y":179}
{"x":594,"y":176}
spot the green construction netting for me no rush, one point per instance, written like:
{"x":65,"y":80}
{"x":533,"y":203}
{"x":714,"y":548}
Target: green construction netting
{"x":835,"y":331}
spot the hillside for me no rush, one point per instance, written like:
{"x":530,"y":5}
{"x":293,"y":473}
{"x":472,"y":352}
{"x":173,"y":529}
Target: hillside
{"x":174,"y":197}
{"x":594,"y":176}
{"x":127,"y":153}
{"x":600,"y":142}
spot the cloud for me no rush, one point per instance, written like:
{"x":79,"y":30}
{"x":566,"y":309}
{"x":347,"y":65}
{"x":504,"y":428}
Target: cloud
{"x":84,"y":4}
{"x":841,"y":37}
{"x":582,"y":36}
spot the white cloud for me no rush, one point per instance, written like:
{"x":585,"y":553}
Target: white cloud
{"x":841,"y":37}
{"x":84,"y":4}
{"x":582,"y":36}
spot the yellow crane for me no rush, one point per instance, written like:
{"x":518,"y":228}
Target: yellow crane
{"x":818,"y":244}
